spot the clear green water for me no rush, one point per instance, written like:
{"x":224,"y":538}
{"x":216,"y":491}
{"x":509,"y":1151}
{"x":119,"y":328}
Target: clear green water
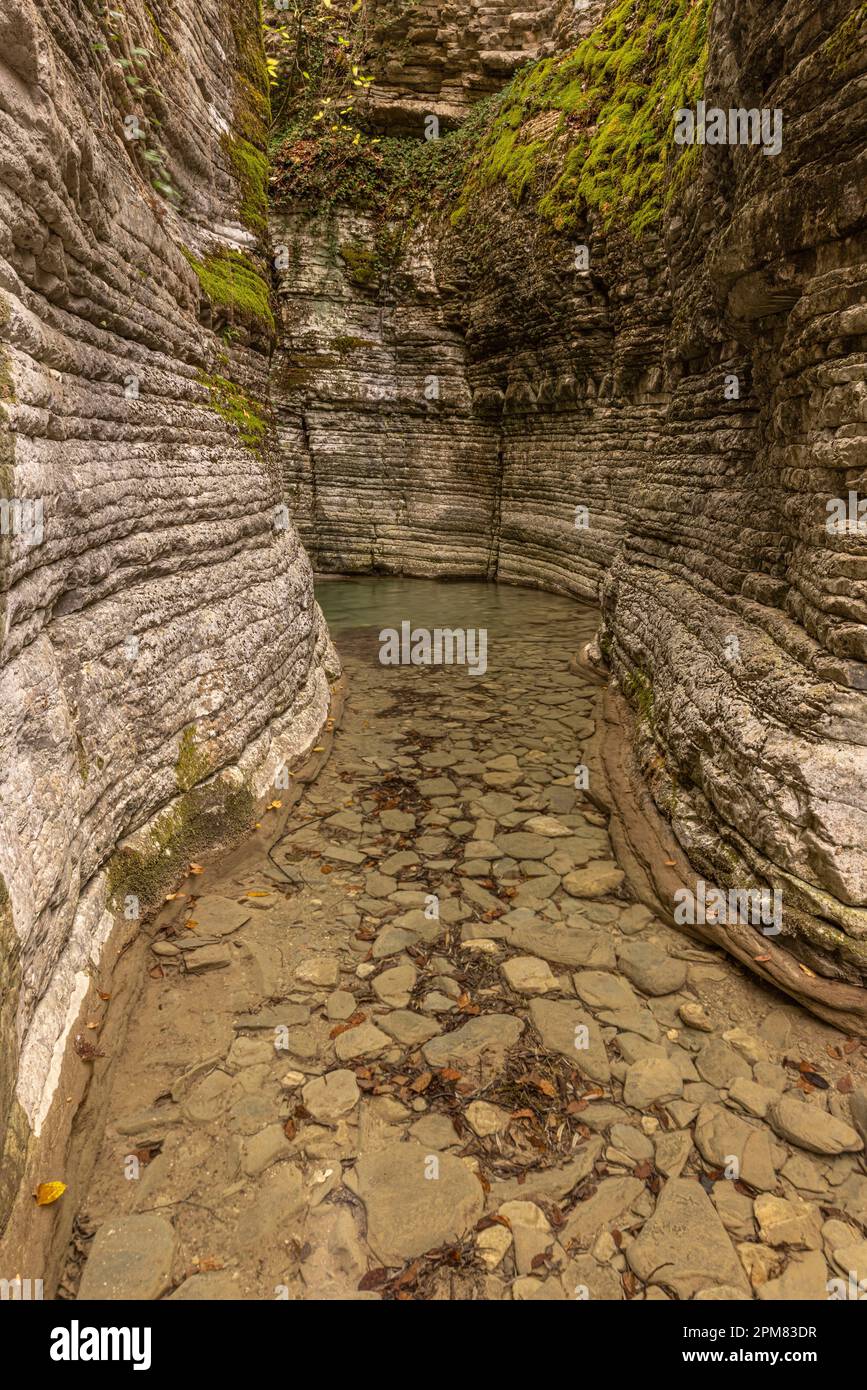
{"x":506,"y":611}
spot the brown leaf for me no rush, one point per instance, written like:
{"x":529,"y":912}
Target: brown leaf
{"x":290,"y":1129}
{"x":523,"y":1115}
{"x":643,"y":1170}
{"x":345,"y":1027}
{"x":449,"y":1074}
{"x":373,"y":1279}
{"x":576,"y":1106}
{"x":86,"y":1050}
{"x":197,"y":869}
{"x":846,"y":1085}
{"x":546,"y":1087}
{"x":103,"y":996}
{"x":422,"y":1082}
{"x":156,"y":972}
{"x":326,"y":869}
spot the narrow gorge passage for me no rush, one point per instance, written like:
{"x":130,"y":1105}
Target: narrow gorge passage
{"x":433,"y":662}
{"x":426,"y":1045}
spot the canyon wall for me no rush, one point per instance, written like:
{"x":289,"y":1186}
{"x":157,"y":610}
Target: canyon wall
{"x":161,"y":652}
{"x":645,"y":404}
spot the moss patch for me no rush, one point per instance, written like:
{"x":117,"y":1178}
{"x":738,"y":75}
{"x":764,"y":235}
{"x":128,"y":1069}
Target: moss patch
{"x":231,"y":280}
{"x":847,"y":40}
{"x":360,"y":261}
{"x":238,"y":408}
{"x":638,"y":689}
{"x":203,"y":817}
{"x":344,"y":343}
{"x":594,"y":128}
{"x":193,"y":763}
{"x":251,"y":168}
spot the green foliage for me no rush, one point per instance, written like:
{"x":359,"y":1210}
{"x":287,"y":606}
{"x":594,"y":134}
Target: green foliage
{"x":230,"y":279}
{"x":238,"y":408}
{"x":316,"y":50}
{"x":594,"y":128}
{"x":392,"y":177}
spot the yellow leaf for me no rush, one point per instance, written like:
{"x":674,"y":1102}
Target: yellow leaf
{"x":807,"y":971}
{"x":190,"y":924}
{"x":274,"y":805}
{"x":196,"y":869}
{"x":48,"y":1192}
{"x":320,"y":748}
{"x":258,"y":893}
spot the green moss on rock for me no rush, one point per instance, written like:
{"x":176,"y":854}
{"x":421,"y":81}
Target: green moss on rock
{"x":206,"y":816}
{"x":360,"y":262}
{"x":193,"y":762}
{"x":594,"y":128}
{"x":231,"y":280}
{"x":238,"y":408}
{"x":251,"y":168}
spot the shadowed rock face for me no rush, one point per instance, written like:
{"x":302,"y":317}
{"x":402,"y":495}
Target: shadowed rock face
{"x":449,"y":394}
{"x":160,"y":648}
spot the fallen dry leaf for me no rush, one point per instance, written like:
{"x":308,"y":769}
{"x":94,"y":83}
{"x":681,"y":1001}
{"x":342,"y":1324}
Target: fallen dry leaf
{"x":422,"y":1082}
{"x":197,"y":868}
{"x":48,"y":1192}
{"x":345,"y":1027}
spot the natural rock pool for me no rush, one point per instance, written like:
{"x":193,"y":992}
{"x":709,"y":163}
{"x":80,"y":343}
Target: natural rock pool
{"x":438,"y":924}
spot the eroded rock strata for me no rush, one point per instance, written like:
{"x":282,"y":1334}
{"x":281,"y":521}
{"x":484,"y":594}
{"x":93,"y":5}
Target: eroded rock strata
{"x":162,"y":652}
{"x":540,"y":320}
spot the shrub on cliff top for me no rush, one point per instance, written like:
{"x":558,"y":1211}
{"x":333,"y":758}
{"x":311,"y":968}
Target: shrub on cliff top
{"x":593,"y":128}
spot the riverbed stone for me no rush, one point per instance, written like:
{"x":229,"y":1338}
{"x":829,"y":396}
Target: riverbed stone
{"x":394,"y":987}
{"x":413,"y":1206}
{"x":650,"y":968}
{"x":130,"y":1259}
{"x":488,"y":1033}
{"x":684,"y":1245}
{"x":568,"y":1029}
{"x":813,"y":1129}
{"x":528,"y":975}
{"x":652,"y":1081}
{"x":330,"y":1097}
{"x":365,"y":1040}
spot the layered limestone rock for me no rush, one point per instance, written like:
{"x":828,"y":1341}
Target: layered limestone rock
{"x":162,"y":652}
{"x":429,"y":59}
{"x":649,"y":400}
